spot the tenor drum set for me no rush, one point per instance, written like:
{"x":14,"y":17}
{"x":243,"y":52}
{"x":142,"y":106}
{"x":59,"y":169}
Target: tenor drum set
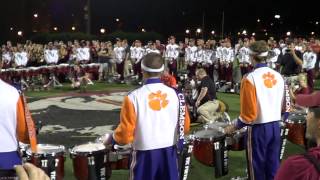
{"x":30,"y":75}
{"x":91,"y":160}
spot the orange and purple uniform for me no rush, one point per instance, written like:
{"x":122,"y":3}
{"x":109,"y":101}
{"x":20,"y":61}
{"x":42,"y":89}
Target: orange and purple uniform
{"x":13,"y":126}
{"x":149,"y":120}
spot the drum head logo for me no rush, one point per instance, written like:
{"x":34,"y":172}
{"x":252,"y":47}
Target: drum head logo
{"x":157,"y":101}
{"x":269,"y":80}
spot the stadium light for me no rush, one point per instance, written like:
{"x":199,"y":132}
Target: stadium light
{"x":317,"y":22}
{"x":187,"y":31}
{"x":277,"y":16}
{"x":244,"y":32}
{"x":212,"y":32}
{"x":199,"y":30}
{"x":11,"y":29}
{"x":143,"y":30}
{"x":20,"y":33}
{"x":288,"y":33}
{"x":117,"y":19}
{"x":258,"y":20}
{"x":253,"y":34}
{"x":312,"y":33}
{"x":35,"y":15}
{"x":55,"y":28}
{"x":73,"y":28}
{"x":102,"y":30}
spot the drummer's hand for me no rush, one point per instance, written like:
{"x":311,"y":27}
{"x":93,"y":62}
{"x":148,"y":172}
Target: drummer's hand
{"x":107,"y":139}
{"x":30,"y":172}
{"x":230,"y":129}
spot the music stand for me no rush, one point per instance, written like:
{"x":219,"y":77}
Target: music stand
{"x":53,"y":81}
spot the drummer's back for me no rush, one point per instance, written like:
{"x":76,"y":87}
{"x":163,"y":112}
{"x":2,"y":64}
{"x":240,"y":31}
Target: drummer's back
{"x":269,"y":87}
{"x":156,"y":109}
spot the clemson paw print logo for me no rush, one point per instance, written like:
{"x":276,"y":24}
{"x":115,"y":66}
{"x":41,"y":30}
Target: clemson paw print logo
{"x":269,"y":80}
{"x":157,"y":101}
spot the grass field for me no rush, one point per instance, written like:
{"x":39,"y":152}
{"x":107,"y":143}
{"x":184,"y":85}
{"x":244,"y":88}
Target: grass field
{"x":237,"y":162}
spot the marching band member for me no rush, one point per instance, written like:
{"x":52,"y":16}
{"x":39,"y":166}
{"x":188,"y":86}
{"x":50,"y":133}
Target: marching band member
{"x":51,"y":55}
{"x":172,"y":54}
{"x":139,"y":53}
{"x":207,"y":62}
{"x":309,"y":62}
{"x":148,"y":120}
{"x":83,"y":53}
{"x":120,"y":54}
{"x":199,"y":54}
{"x":6,"y":58}
{"x":191,"y":59}
{"x":152,"y":49}
{"x":220,"y":50}
{"x":21,"y":57}
{"x":244,"y":58}
{"x":261,"y":98}
{"x":15,"y":125}
{"x":228,"y":57}
{"x":275,"y":52}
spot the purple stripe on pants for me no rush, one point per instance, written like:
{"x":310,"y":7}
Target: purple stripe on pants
{"x":157,"y":164}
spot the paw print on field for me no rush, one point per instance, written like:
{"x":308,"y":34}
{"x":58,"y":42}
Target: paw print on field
{"x":269,"y":80}
{"x":157,"y":101}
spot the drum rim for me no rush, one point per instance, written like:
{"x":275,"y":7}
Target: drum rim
{"x":74,"y":153}
{"x":62,"y":151}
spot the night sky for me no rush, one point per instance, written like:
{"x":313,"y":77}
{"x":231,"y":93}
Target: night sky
{"x":166,"y":16}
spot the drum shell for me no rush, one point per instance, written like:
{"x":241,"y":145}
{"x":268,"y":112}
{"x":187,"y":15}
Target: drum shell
{"x":122,"y":163}
{"x":81,"y":164}
{"x":236,"y":142}
{"x":203,"y":149}
{"x":297,"y":132}
{"x":296,"y":124}
{"x":37,"y":159}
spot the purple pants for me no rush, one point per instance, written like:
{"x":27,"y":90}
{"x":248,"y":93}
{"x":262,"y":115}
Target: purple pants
{"x":157,"y":164}
{"x":263,"y":150}
{"x":310,"y":78}
{"x":9,"y":159}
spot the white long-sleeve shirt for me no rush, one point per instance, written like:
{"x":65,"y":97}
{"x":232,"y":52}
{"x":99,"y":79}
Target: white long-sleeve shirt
{"x":309,"y":60}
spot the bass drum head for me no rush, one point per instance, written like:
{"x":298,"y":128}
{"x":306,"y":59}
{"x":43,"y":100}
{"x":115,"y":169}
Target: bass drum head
{"x":46,"y":149}
{"x":203,"y":148}
{"x":88,"y":148}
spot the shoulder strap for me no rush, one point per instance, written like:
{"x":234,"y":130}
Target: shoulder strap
{"x":181,"y":120}
{"x":30,"y":125}
{"x":313,"y":161}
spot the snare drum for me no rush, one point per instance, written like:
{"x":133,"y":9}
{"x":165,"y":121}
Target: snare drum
{"x":235,"y":141}
{"x":90,"y":161}
{"x":50,"y":158}
{"x":296,"y":124}
{"x":120,"y":158}
{"x":204,"y":145}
